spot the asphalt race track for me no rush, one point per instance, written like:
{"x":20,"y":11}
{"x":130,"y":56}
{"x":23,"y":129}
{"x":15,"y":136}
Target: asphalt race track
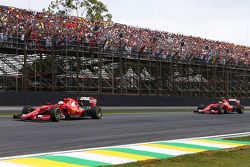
{"x":19,"y":137}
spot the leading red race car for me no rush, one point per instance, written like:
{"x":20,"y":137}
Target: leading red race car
{"x":65,"y":109}
{"x":224,"y":106}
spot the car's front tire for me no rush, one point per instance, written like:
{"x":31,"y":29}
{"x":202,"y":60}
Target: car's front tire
{"x":201,"y":107}
{"x":55,"y":114}
{"x":17,"y":116}
{"x":27,"y":109}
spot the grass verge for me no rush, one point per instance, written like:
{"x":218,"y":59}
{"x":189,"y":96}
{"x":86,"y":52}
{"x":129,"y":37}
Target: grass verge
{"x":119,"y":112}
{"x":140,"y":112}
{"x":5,"y":114}
{"x":244,"y":138}
{"x":234,"y":157}
{"x":106,"y":112}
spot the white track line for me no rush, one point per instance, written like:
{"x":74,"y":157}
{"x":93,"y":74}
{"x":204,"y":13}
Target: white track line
{"x":159,"y":150}
{"x":101,"y":158}
{"x":9,"y":164}
{"x":204,"y":144}
{"x":78,"y":150}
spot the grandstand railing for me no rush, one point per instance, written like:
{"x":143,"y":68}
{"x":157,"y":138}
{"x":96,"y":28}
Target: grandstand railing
{"x":172,"y":76}
{"x":35,"y":46}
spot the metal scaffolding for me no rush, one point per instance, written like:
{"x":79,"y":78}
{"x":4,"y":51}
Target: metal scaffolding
{"x":82,"y":68}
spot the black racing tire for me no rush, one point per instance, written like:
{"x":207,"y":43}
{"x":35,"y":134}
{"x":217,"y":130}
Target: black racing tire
{"x":225,"y":110}
{"x":27,"y":109}
{"x":201,"y":107}
{"x":55,"y":114}
{"x":17,"y":116}
{"x":96,"y":112}
{"x":220,"y":109}
{"x":240,"y":109}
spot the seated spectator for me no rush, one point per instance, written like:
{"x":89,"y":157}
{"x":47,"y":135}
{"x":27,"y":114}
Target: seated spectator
{"x":42,"y":30}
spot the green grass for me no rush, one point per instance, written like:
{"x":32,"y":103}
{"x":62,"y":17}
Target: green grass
{"x":141,"y":112}
{"x":5,"y":114}
{"x":152,"y":110}
{"x":230,"y":158}
{"x":235,"y":157}
{"x":125,"y":112}
{"x":244,"y":138}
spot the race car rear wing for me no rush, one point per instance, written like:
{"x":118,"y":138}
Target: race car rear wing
{"x":87,"y":101}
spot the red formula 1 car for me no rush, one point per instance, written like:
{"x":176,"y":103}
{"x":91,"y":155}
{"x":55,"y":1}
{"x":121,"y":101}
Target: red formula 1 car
{"x":65,"y":109}
{"x":224,"y":106}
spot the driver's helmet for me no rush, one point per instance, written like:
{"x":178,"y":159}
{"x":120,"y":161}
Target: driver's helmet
{"x":60,"y":103}
{"x":220,"y":102}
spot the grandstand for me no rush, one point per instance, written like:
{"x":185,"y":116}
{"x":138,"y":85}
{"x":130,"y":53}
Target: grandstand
{"x":44,"y":52}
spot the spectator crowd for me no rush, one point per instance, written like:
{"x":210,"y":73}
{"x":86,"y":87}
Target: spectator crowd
{"x":44,"y":29}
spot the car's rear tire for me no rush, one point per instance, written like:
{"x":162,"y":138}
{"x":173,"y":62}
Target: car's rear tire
{"x":27,"y":109}
{"x":225,"y":110}
{"x":55,"y":114}
{"x":220,"y":109}
{"x":240,"y":109}
{"x":96,"y":112}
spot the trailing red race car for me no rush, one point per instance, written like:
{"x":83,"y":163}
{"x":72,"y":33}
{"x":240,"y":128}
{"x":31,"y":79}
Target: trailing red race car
{"x":224,"y":106}
{"x":65,"y":109}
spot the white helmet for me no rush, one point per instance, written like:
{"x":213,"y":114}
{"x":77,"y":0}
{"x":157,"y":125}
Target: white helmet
{"x":60,"y":102}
